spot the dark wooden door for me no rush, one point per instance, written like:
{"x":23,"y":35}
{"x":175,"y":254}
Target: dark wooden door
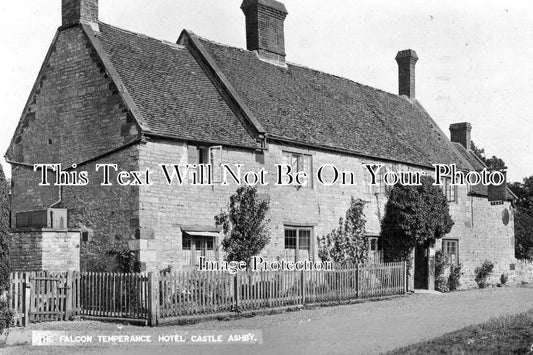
{"x":421,"y":267}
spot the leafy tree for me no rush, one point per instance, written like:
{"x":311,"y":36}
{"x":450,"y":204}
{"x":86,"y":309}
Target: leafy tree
{"x":346,"y":243}
{"x":245,"y":225}
{"x":523,"y":220}
{"x":493,"y":163}
{"x":524,"y":194}
{"x":414,"y":215}
{"x":5,"y":313}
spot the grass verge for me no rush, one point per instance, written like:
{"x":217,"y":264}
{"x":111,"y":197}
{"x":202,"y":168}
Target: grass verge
{"x":504,"y":335}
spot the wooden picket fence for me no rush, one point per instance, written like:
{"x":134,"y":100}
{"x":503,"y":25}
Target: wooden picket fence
{"x":192,"y":293}
{"x":112,"y":295}
{"x":151,"y":298}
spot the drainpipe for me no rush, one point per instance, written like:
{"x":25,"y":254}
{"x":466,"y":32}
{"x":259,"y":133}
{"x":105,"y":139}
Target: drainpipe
{"x":60,"y":196}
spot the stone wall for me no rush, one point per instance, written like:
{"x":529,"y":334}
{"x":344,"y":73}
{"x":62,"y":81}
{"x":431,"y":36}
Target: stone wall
{"x":163,"y":208}
{"x":60,"y":251}
{"x":522,"y":273}
{"x":481,"y":235}
{"x":49,"y":250}
{"x":75,"y":114}
{"x":478,"y":227}
{"x":26,"y":251}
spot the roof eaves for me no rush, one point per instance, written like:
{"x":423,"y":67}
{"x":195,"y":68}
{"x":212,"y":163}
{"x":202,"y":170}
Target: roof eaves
{"x":115,"y":78}
{"x":196,"y":141}
{"x":190,"y":40}
{"x":345,"y":151}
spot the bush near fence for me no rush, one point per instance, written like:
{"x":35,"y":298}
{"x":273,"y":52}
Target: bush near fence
{"x":152,"y":298}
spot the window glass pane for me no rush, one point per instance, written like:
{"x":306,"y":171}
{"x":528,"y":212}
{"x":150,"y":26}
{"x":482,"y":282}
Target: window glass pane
{"x":203,"y":155}
{"x":186,"y":243}
{"x":210,"y":244}
{"x":373,"y":244}
{"x":294,"y":162}
{"x":305,"y":239}
{"x":290,"y":238}
{"x":307,"y":166}
{"x":450,"y":250}
{"x":215,"y":159}
{"x":285,"y":160}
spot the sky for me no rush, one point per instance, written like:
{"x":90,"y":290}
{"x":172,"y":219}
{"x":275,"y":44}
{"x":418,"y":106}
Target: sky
{"x":476,"y":57}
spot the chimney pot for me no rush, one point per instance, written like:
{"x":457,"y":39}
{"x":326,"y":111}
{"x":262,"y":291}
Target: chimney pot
{"x":265,"y":28}
{"x":78,"y":11}
{"x":406,"y":60}
{"x":461,"y":133}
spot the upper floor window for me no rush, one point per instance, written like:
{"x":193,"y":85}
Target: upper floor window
{"x":450,"y":191}
{"x":206,"y":155}
{"x":380,"y":187}
{"x":300,"y":162}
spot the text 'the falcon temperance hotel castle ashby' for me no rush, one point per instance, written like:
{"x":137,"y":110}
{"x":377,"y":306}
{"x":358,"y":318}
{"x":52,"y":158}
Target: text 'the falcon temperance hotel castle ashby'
{"x":105,"y":95}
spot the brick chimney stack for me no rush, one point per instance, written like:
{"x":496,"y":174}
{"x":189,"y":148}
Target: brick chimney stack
{"x":460,"y":133}
{"x":265,"y":29}
{"x":406,"y":60}
{"x":77,"y":11}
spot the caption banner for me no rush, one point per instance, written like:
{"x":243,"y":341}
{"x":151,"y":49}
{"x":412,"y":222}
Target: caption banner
{"x":65,"y":338}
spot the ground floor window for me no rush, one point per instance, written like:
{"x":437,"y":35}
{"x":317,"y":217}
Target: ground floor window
{"x":195,"y":246}
{"x":450,"y":249}
{"x":298,"y":244}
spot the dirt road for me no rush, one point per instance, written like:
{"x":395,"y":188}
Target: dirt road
{"x":366,"y":328}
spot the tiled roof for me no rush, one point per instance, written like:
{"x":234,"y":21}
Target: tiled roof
{"x":172,"y":92}
{"x":314,"y":108}
{"x":176,"y":97}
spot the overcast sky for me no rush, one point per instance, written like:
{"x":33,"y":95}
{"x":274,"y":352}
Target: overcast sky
{"x":476,"y":57}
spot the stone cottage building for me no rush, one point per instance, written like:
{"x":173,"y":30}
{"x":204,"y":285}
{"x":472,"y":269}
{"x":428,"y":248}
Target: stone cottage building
{"x":105,"y":95}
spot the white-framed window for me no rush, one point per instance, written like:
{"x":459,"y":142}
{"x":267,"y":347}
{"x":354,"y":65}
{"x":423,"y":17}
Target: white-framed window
{"x":450,"y":191}
{"x":299,"y":162}
{"x":298,"y":243}
{"x":206,"y":155}
{"x":450,"y":249}
{"x":380,"y":186}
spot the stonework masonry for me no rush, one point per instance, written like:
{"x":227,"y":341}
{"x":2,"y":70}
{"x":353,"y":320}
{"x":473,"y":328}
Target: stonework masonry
{"x":74,"y":114}
{"x":54,"y":251}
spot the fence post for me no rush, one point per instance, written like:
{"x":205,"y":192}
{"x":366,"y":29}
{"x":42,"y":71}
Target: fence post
{"x":405,"y":280}
{"x":153,"y":301}
{"x":27,"y":300}
{"x":302,"y":276}
{"x":356,"y":280}
{"x":68,"y":297}
{"x":236,"y":291}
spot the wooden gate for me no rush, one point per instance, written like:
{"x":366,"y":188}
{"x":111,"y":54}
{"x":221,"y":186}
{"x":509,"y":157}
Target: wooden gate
{"x":19,"y":298}
{"x":50,"y":296}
